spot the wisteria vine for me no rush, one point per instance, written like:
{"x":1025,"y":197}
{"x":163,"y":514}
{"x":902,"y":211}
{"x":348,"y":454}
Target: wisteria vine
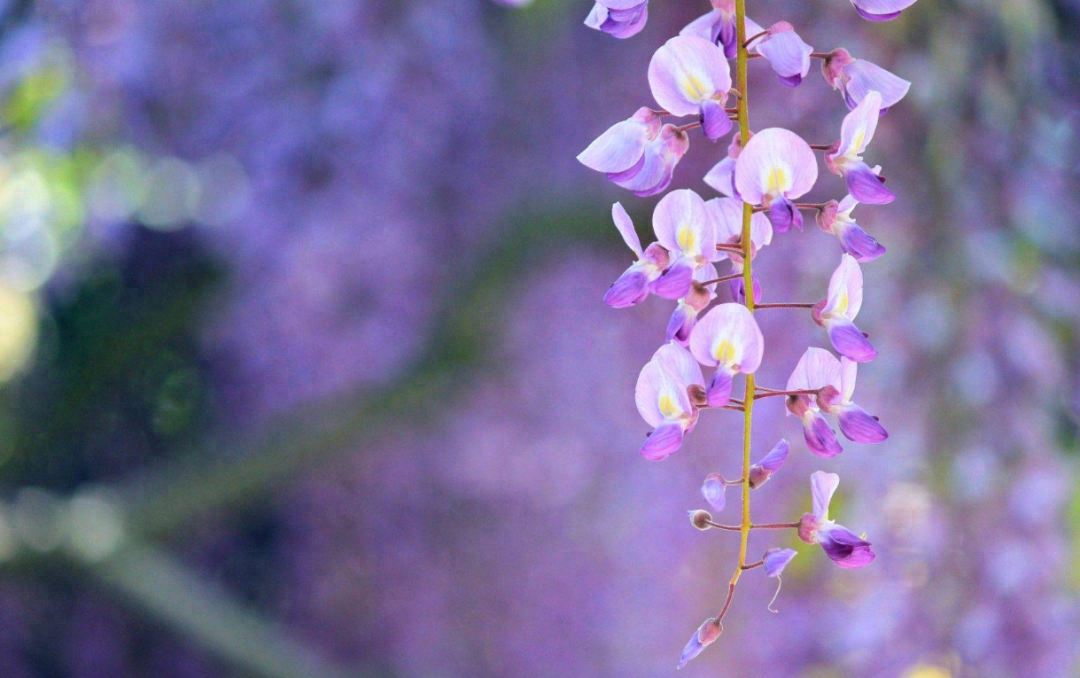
{"x":761,"y":179}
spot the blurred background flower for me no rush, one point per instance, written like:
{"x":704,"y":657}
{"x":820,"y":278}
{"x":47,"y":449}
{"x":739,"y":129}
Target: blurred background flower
{"x":306,"y":370}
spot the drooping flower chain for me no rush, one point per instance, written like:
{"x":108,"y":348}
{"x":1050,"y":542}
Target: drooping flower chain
{"x":761,"y":179}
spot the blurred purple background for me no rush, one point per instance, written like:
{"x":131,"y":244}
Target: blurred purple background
{"x":307,"y":373}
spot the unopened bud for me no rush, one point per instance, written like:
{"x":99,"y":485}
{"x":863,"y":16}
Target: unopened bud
{"x":706,"y":634}
{"x":700,"y":519}
{"x":758,"y":476}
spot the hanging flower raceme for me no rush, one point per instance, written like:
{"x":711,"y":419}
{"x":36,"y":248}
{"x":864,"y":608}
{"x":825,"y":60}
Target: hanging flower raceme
{"x":881,"y":10}
{"x":706,"y":634}
{"x":837,"y":312}
{"x":835,"y":218}
{"x":769,"y":464}
{"x":856,"y":425}
{"x":634,"y":284}
{"x":729,"y":339}
{"x":722,"y":176}
{"x":663,"y":400}
{"x":855,"y":78}
{"x":775,"y":168}
{"x":697,"y":299}
{"x":845,"y":157}
{"x":786,"y":52}
{"x":620,"y":18}
{"x":690,"y":76}
{"x":726,"y":214}
{"x":843,"y":546}
{"x":816,"y":369}
{"x":718,"y":27}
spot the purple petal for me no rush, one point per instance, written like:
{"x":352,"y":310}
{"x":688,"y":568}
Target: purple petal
{"x":845,"y":548}
{"x":677,"y":362}
{"x":875,"y":17}
{"x":675,"y":282}
{"x":738,"y":289}
{"x":860,"y":427}
{"x":881,"y":10}
{"x":652,"y":173}
{"x":776,"y":560}
{"x":866,"y":186}
{"x":865,"y":77}
{"x":819,"y":438}
{"x":681,"y":323}
{"x":618,"y":22}
{"x":845,"y":291}
{"x":728,"y":335}
{"x":775,"y":162}
{"x":631,"y":288}
{"x":718,"y":392}
{"x":791,"y":80}
{"x":625,"y":227}
{"x":858,"y":243}
{"x":776,"y":457}
{"x":822,"y":487}
{"x":622,"y":144}
{"x":715,"y":122}
{"x":686,"y":72}
{"x":783,"y":214}
{"x":682,"y":223}
{"x":722,"y":177}
{"x":816,"y":368}
{"x":713,"y":491}
{"x":706,"y":634}
{"x":786,"y":52}
{"x":662,"y":442}
{"x":850,"y":342}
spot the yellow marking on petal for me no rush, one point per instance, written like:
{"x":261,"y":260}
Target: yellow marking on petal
{"x":777,"y":182}
{"x":687,"y":239}
{"x":668,"y":407}
{"x":857,"y":140}
{"x":842,"y":303}
{"x":725,"y":352}
{"x":693,"y":88}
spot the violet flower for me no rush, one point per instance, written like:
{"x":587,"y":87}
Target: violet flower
{"x":775,"y":168}
{"x":690,"y":76}
{"x":776,"y":560}
{"x":706,"y":634}
{"x":835,"y":218}
{"x":786,"y":52}
{"x":881,"y":10}
{"x":634,"y":284}
{"x":817,"y":368}
{"x":697,"y":299}
{"x":623,"y":144}
{"x":662,"y":399}
{"x":769,"y":464}
{"x":838,"y":311}
{"x":843,"y":546}
{"x":685,"y":228}
{"x":855,"y":78}
{"x":718,"y":27}
{"x":619,"y":18}
{"x":845,"y":157}
{"x":856,"y":425}
{"x":729,"y":339}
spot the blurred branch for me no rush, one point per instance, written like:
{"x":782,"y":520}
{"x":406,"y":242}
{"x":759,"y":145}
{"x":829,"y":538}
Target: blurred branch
{"x":174,"y":495}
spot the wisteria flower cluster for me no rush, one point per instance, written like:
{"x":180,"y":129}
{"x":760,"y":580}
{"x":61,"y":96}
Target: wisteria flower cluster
{"x":761,"y":180}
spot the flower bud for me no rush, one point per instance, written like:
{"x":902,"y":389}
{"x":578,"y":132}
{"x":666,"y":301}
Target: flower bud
{"x":808,"y":527}
{"x":758,"y":476}
{"x":798,"y":405}
{"x":706,"y":634}
{"x":700,"y":519}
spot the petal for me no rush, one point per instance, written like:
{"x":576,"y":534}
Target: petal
{"x":715,"y":122}
{"x":775,"y":162}
{"x":682,"y":320}
{"x":849,"y":372}
{"x":722,"y":177}
{"x":776,"y":560}
{"x":686,"y":72}
{"x":653,"y":171}
{"x":631,"y":288}
{"x":775,"y":458}
{"x":706,"y":634}
{"x":713,"y":491}
{"x":728,"y":335}
{"x":865,"y":77}
{"x":622,"y":145}
{"x":738,"y":289}
{"x":822,"y":487}
{"x":858,"y":243}
{"x":816,"y":369}
{"x":845,"y":290}
{"x":882,"y":7}
{"x":660,"y":396}
{"x":866,"y":185}
{"x":678,"y":363}
{"x":845,"y":548}
{"x":622,"y":4}
{"x":858,"y":426}
{"x":783,"y":215}
{"x":625,"y":224}
{"x":859,"y":125}
{"x":819,"y":438}
{"x":786,"y":52}
{"x":619,"y":18}
{"x":726,"y":217}
{"x":849,"y":341}
{"x":682,"y":224}
{"x":706,"y":27}
{"x":718,"y":392}
{"x":662,"y":442}
{"x":875,"y":17}
{"x":675,"y":282}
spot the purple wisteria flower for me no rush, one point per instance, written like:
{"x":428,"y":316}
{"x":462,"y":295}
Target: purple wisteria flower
{"x":690,"y":76}
{"x":835,"y":218}
{"x":713,"y":491}
{"x":685,"y":228}
{"x":786,"y":52}
{"x":776,"y":560}
{"x":856,"y":425}
{"x":722,"y":176}
{"x":843,"y":546}
{"x":769,"y":464}
{"x":623,"y":144}
{"x":634,"y":284}
{"x":837,"y":312}
{"x":729,"y":339}
{"x":726,"y":214}
{"x":663,"y":401}
{"x":775,"y":168}
{"x":718,"y":27}
{"x":620,"y":18}
{"x":706,"y":634}
{"x":845,"y":157}
{"x":881,"y":10}
{"x":816,"y":369}
{"x":855,"y":78}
